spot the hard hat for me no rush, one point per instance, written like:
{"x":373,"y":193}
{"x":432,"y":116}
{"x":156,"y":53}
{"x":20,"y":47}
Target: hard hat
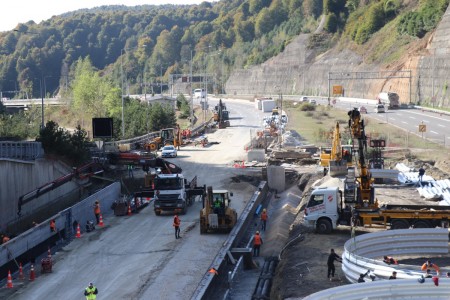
{"x":91,"y":284}
{"x":264,"y":209}
{"x":257,"y":232}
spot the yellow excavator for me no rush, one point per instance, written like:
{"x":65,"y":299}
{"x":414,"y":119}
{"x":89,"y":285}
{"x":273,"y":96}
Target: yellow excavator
{"x":337,"y":159}
{"x":216,"y":214}
{"x":167,"y":136}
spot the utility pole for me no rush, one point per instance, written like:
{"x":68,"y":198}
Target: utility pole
{"x":190,"y":92}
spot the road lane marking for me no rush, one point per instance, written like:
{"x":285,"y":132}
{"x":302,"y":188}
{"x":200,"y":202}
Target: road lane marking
{"x":404,"y":122}
{"x":433,"y":132}
{"x":440,"y":125}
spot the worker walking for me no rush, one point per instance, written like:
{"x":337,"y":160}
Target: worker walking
{"x":130,"y":171}
{"x":421,"y":173}
{"x":97,"y":211}
{"x":91,"y":292}
{"x":390,"y":260}
{"x":257,"y":242}
{"x":330,"y":263}
{"x":176,"y":224}
{"x":263,"y":220}
{"x":52,"y":225}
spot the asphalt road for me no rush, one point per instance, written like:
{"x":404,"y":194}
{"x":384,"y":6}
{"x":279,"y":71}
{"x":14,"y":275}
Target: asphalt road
{"x":138,"y":257}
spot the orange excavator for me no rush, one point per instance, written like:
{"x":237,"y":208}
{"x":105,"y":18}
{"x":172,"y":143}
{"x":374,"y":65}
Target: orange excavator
{"x":167,"y":136}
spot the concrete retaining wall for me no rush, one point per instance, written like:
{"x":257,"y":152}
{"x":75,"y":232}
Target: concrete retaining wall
{"x":19,"y":177}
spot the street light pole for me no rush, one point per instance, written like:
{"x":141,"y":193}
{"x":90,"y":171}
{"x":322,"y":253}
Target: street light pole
{"x":121,"y":90}
{"x":41,"y":82}
{"x":190,"y":92}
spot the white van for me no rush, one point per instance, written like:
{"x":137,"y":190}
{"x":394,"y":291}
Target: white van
{"x":199,"y":93}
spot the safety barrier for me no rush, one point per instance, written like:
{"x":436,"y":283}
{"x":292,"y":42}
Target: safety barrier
{"x":209,"y":282}
{"x":387,"y":289}
{"x":21,"y":150}
{"x":365,"y":252}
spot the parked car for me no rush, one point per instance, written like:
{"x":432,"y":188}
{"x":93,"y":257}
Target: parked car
{"x":168,"y":151}
{"x":380,"y":108}
{"x":305,"y":99}
{"x":362,"y":109}
{"x":312,"y":101}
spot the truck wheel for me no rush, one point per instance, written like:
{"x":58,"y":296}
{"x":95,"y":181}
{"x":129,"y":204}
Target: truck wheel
{"x":158,"y":213}
{"x":422,"y":224}
{"x":399,"y":224}
{"x":324,"y":226}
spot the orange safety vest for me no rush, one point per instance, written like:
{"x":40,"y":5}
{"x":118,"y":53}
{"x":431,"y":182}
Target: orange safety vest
{"x":257,"y":240}
{"x":432,"y":265}
{"x":213,"y":271}
{"x":52,"y":225}
{"x":176,"y":221}
{"x":264,"y":216}
{"x":97,"y":208}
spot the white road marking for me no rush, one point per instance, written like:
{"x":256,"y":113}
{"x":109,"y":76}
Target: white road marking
{"x":440,"y":125}
{"x":404,"y":122}
{"x":433,"y":132}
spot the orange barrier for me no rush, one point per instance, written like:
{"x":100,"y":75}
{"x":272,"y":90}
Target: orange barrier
{"x":32,"y":275}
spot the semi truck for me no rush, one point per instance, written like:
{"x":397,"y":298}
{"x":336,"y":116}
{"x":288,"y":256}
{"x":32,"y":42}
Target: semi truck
{"x":327,"y":208}
{"x":173,"y":192}
{"x":389,"y":99}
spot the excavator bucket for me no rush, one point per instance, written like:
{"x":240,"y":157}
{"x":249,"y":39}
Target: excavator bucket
{"x":338,"y":168}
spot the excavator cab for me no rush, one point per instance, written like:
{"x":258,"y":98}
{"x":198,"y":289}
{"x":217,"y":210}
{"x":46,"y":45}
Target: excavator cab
{"x":216,"y":214}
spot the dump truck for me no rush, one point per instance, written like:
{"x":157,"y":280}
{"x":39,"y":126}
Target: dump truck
{"x":389,"y":99}
{"x":216,"y":214}
{"x":327,"y":208}
{"x":173,"y":192}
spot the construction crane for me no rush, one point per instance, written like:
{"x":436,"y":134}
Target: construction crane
{"x":365,"y":192}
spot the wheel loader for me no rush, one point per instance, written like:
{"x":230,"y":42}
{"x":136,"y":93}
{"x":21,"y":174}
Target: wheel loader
{"x":167,"y":136}
{"x":216,"y":214}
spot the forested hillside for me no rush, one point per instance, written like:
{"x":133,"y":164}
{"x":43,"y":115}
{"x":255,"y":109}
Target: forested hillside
{"x":141,"y":46}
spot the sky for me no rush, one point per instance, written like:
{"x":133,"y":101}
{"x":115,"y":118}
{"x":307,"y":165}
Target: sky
{"x":22,"y":11}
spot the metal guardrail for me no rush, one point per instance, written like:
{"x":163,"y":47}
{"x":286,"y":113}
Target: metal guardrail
{"x":364,"y":252}
{"x":21,"y":150}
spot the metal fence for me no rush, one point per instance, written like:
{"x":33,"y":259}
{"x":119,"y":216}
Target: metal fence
{"x":21,"y":150}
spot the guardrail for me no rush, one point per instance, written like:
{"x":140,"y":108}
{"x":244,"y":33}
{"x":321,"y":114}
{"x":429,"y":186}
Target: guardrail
{"x":205,"y":289}
{"x":365,"y":252}
{"x":387,"y":289}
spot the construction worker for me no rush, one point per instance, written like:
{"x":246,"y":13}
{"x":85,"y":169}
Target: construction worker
{"x":217,"y":206}
{"x":263,"y":219}
{"x":421,"y":173}
{"x":130,"y":171}
{"x":393,"y":276}
{"x":361,"y":276}
{"x":213,"y":271}
{"x":257,"y":242}
{"x":428,"y":265}
{"x":330,"y":263}
{"x":390,"y":260}
{"x":5,"y":239}
{"x":176,"y":224}
{"x":91,"y":292}
{"x":52,"y":225}
{"x":97,"y":211}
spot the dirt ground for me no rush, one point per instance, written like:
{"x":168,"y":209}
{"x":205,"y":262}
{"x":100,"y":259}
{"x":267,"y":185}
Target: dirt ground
{"x":303,"y":266}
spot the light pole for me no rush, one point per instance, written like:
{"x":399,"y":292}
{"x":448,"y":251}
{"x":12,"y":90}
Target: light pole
{"x":190,"y":92}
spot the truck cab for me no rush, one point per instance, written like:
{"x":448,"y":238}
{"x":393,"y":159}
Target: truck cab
{"x":323,"y":211}
{"x":170,"y":193}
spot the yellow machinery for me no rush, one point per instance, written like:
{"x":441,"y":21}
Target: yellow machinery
{"x":167,"y":136}
{"x":339,"y":157}
{"x":365,"y":192}
{"x":216,"y":214}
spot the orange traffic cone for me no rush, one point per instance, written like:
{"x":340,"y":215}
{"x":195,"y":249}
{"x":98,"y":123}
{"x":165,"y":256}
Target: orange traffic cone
{"x":9,"y":284}
{"x":129,"y":209}
{"x":49,"y":253}
{"x":21,"y":277}
{"x":32,"y":275}
{"x":78,"y":235}
{"x":100,"y":223}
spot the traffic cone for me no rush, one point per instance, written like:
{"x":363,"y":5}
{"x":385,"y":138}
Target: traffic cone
{"x":9,"y":284}
{"x":49,"y":253}
{"x":129,"y":209}
{"x":32,"y":275}
{"x":100,"y":223}
{"x":21,"y":277}
{"x":78,"y":235}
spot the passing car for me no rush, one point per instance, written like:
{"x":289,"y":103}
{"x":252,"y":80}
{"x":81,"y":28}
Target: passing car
{"x":168,"y":151}
{"x":312,"y":101}
{"x":379,"y":108}
{"x":362,"y":109}
{"x":199,"y":93}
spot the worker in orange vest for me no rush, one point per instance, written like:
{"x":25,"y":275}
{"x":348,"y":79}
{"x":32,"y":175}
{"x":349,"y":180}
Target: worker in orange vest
{"x":176,"y":224}
{"x":213,"y":271}
{"x":5,"y":239}
{"x":97,"y":211}
{"x":428,"y":265}
{"x":52,"y":225}
{"x":263,"y":219}
{"x":257,"y":242}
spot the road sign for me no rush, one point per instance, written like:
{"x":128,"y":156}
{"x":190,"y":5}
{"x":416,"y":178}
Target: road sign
{"x":422,"y":128}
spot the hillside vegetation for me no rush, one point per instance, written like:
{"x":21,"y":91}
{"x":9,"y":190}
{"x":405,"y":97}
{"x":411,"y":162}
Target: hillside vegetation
{"x":89,"y":57}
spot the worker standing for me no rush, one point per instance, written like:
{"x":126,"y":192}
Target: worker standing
{"x":52,"y":225}
{"x":421,"y":173}
{"x":393,"y":276}
{"x":176,"y":224}
{"x":263,"y":220}
{"x":97,"y":211}
{"x":257,"y":242}
{"x":91,"y":292}
{"x":330,"y":263}
{"x":428,"y":265}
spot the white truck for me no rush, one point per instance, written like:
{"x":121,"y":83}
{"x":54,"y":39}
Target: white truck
{"x":172,"y":192}
{"x":389,"y":100}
